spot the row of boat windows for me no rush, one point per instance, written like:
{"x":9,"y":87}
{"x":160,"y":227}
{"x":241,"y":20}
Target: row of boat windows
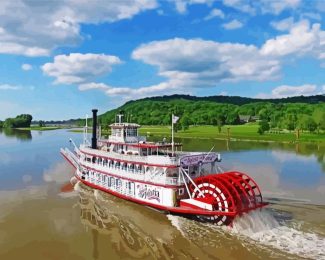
{"x":109,"y":181}
{"x":119,"y":132}
{"x":137,"y":168}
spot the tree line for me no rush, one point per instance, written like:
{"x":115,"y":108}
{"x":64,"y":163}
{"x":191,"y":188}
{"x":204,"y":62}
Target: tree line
{"x":290,"y":116}
{"x":23,"y":120}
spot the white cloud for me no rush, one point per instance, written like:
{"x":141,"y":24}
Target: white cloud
{"x":130,"y":93}
{"x":283,"y":25}
{"x":241,"y":5}
{"x":290,"y":91}
{"x":77,"y":67}
{"x":234,"y":24}
{"x":34,"y":29}
{"x":277,"y":6}
{"x":191,"y":64}
{"x":181,"y":5}
{"x":323,"y":89}
{"x":311,"y":15}
{"x":302,"y":39}
{"x":223,"y":93}
{"x":26,"y":67}
{"x":201,"y":63}
{"x":9,"y":87}
{"x":215,"y":13}
{"x":262,"y":6}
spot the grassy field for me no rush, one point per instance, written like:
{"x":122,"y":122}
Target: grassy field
{"x":38,"y":128}
{"x":240,"y":132}
{"x":236,"y":132}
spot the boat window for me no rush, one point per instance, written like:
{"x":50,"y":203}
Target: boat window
{"x":181,"y":191}
{"x":171,"y":172}
{"x":131,"y":132}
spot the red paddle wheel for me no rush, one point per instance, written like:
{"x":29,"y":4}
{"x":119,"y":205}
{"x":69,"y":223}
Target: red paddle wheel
{"x":230,"y":193}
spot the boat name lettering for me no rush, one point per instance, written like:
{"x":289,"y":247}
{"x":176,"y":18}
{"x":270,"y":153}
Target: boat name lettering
{"x":148,"y":193}
{"x":200,"y":158}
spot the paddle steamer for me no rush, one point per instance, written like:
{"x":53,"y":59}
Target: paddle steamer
{"x":160,"y":175}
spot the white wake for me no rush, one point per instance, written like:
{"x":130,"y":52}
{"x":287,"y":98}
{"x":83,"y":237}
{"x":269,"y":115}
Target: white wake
{"x":262,"y":227}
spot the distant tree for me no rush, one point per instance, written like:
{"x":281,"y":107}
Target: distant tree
{"x":185,"y":122}
{"x":232,"y":118}
{"x":319,"y":118}
{"x":219,"y":124}
{"x":263,"y":126}
{"x":41,"y":123}
{"x":290,"y":121}
{"x":260,"y":131}
{"x":263,"y":114}
{"x":9,"y":123}
{"x":23,"y":120}
{"x":1,"y":124}
{"x":306,"y":122}
{"x":310,"y":124}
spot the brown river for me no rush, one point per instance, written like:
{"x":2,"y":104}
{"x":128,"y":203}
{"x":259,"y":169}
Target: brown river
{"x":41,"y":219}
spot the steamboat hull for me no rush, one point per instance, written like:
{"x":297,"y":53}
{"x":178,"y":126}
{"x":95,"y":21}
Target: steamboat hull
{"x":184,"y":209}
{"x":154,"y":175}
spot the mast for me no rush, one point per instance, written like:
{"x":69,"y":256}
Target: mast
{"x":174,"y":121}
{"x":173,"y":134}
{"x":86,"y":130}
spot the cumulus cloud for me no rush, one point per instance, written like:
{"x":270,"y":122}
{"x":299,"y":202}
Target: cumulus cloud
{"x":181,"y":5}
{"x":277,"y":6}
{"x":303,"y":38}
{"x":171,"y":86}
{"x":232,"y":25}
{"x":241,"y":5}
{"x":188,"y":64}
{"x":290,"y":91}
{"x":33,"y":29}
{"x":78,"y":68}
{"x":283,"y":25}
{"x":9,"y":87}
{"x":215,"y":13}
{"x":262,"y":6}
{"x":202,"y":63}
{"x":26,"y":67}
{"x":312,"y":15}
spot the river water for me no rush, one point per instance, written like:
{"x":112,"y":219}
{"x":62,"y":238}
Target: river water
{"x":39,"y":221}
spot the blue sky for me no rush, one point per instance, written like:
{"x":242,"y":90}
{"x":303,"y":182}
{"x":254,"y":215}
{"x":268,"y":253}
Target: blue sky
{"x":59,"y":59}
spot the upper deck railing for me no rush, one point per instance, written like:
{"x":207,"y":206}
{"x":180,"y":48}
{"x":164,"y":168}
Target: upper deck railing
{"x":161,"y":160}
{"x":132,"y":174}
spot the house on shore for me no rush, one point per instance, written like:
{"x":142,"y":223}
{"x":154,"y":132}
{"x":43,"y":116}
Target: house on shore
{"x":243,"y":119}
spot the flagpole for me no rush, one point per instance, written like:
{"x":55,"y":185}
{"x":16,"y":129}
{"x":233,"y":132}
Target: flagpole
{"x":86,"y":130}
{"x":172,"y":134}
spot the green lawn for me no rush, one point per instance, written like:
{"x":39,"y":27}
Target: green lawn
{"x":242,"y":132}
{"x":38,"y":128}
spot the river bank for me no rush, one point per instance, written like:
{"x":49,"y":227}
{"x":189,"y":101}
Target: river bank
{"x":246,"y":132}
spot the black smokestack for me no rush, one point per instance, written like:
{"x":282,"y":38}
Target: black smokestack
{"x":94,"y":138}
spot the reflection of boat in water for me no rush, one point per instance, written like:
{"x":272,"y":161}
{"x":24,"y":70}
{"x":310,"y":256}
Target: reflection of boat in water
{"x":104,"y":215}
{"x":160,"y":175}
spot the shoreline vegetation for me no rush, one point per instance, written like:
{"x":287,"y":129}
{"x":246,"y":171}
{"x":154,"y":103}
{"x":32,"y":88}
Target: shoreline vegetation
{"x":246,"y":132}
{"x":286,"y":120}
{"x":40,"y":128}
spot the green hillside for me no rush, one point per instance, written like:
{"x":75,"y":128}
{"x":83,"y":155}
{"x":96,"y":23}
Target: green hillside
{"x":306,"y":113}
